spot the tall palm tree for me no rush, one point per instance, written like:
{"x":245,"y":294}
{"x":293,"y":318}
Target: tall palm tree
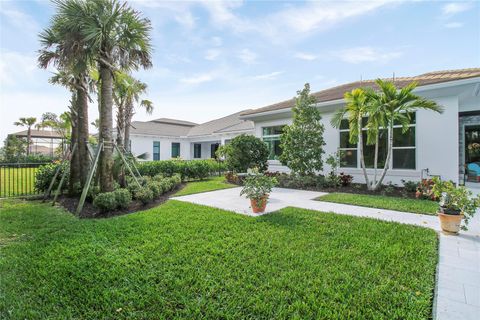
{"x":391,"y":105}
{"x":355,"y":110}
{"x":126,"y":94}
{"x":29,"y":123}
{"x":117,"y":38}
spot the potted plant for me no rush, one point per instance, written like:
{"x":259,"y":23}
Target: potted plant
{"x":456,"y":204}
{"x":257,"y":187}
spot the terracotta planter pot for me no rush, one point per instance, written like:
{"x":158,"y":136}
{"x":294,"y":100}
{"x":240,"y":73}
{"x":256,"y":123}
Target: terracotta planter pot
{"x":258,"y":206}
{"x":450,"y":222}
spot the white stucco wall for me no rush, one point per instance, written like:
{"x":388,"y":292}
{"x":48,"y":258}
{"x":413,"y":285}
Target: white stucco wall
{"x":142,"y":144}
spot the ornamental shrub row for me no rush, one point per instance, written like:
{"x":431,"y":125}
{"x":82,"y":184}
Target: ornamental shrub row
{"x":187,"y":169}
{"x":44,"y":175}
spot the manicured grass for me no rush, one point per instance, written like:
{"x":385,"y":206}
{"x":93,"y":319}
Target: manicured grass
{"x":210,"y":184}
{"x":383,"y":202}
{"x":16,"y":181}
{"x":181,"y":260}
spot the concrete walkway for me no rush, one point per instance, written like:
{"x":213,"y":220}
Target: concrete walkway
{"x":457,"y":292}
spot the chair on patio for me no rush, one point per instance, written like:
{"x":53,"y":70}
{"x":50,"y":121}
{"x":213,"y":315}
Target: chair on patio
{"x":473,"y":171}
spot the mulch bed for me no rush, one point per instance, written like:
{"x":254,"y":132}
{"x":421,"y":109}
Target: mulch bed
{"x":89,"y":211}
{"x":362,"y":189}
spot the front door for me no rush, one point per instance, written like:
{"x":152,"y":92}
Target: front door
{"x":472,"y":152}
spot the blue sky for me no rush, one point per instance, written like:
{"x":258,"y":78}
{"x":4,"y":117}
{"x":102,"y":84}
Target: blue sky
{"x":213,"y":58}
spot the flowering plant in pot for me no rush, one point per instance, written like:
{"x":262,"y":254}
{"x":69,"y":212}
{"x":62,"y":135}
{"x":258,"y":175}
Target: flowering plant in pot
{"x":257,"y":187}
{"x":456,"y":204}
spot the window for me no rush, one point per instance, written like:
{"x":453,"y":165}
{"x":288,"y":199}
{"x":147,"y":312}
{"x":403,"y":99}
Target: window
{"x":213,"y":150}
{"x":348,"y":150}
{"x":156,"y":150}
{"x":271,"y":136}
{"x":197,"y":150}
{"x":403,"y":151}
{"x":175,"y":149}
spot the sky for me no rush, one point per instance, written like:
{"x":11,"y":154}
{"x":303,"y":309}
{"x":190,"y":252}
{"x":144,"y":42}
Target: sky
{"x":214,"y":58}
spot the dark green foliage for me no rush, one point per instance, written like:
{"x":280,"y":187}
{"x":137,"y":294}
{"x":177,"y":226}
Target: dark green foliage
{"x":106,"y":201}
{"x":92,"y":192}
{"x":123,"y":198}
{"x":187,"y":169}
{"x":185,"y":261}
{"x":410,"y":186}
{"x":156,"y":187}
{"x":145,"y":195}
{"x":302,"y":141}
{"x":45,"y":173}
{"x":244,"y":152}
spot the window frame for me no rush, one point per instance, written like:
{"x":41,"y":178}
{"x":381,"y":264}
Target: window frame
{"x":156,"y":155}
{"x":195,"y":145}
{"x":347,"y":149}
{"x":274,"y":137}
{"x":175,"y":144}
{"x":389,"y":133}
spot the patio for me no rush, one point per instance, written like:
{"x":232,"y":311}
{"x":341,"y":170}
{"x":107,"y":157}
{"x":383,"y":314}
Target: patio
{"x":457,"y":293}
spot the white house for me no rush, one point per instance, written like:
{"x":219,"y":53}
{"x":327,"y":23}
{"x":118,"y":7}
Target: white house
{"x":436,"y":144}
{"x":163,"y":139}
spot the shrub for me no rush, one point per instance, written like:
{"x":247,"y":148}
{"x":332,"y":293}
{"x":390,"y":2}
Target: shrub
{"x":232,"y":177}
{"x":45,"y":173}
{"x":244,"y":152}
{"x":105,"y":201}
{"x":410,"y":186}
{"x":92,"y":192}
{"x":145,"y":195}
{"x":345,"y":179}
{"x":186,"y":169}
{"x":156,"y":188}
{"x":123,"y":198}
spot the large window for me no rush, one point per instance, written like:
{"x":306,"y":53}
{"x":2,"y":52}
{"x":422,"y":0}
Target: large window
{"x":271,"y":136}
{"x":403,"y":156}
{"x":156,"y":150}
{"x":197,"y":150}
{"x":175,"y":149}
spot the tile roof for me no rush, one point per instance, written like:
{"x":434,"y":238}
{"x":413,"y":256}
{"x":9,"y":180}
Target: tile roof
{"x":38,"y":134}
{"x":336,"y":93}
{"x":230,"y":123}
{"x":159,"y":128}
{"x":175,"y":121}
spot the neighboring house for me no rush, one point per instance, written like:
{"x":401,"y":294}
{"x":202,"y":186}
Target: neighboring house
{"x":42,"y":141}
{"x":437,"y":144}
{"x":163,"y":139}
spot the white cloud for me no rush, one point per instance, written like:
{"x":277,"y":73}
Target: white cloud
{"x":212,"y":54}
{"x":247,"y":56}
{"x":366,"y":54}
{"x":186,"y":19}
{"x":16,"y":67}
{"x":198,"y":78}
{"x":305,"y":56}
{"x":217,"y":41}
{"x":452,"y":25}
{"x":268,"y":76}
{"x":17,"y":18}
{"x":455,"y":7}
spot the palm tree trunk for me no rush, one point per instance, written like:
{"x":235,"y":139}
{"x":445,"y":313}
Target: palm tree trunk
{"x":360,"y":147}
{"x":128,"y":123}
{"x":74,"y":161}
{"x":106,"y":103}
{"x":389,"y":155}
{"x":82,"y":147}
{"x":29,"y":139}
{"x":120,"y":126}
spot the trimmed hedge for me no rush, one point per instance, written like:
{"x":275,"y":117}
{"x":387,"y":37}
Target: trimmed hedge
{"x":44,"y":176}
{"x":187,"y":169}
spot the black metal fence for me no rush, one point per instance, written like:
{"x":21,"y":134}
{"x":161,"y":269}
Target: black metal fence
{"x":18,"y":179}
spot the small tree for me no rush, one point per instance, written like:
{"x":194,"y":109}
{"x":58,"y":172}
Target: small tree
{"x":13,"y":149}
{"x":244,"y":152}
{"x":302,"y":141}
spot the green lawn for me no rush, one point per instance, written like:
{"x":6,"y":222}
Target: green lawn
{"x":182,"y":260}
{"x":383,"y":202}
{"x":210,"y":184}
{"x":16,"y":181}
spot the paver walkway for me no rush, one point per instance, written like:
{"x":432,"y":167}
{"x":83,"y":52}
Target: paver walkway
{"x":457,"y":292}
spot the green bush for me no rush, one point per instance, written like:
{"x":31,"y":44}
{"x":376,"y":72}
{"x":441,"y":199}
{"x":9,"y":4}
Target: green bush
{"x":145,"y":195}
{"x":92,"y":192}
{"x":45,"y":173}
{"x":123,"y":198}
{"x":187,"y":169}
{"x":245,"y":152}
{"x":105,"y":201}
{"x":156,"y":188}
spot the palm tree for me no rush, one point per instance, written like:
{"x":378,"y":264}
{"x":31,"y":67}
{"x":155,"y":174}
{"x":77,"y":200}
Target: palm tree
{"x":126,"y":94}
{"x":391,"y":105}
{"x":355,"y":110}
{"x":29,"y":123}
{"x":117,"y":38}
